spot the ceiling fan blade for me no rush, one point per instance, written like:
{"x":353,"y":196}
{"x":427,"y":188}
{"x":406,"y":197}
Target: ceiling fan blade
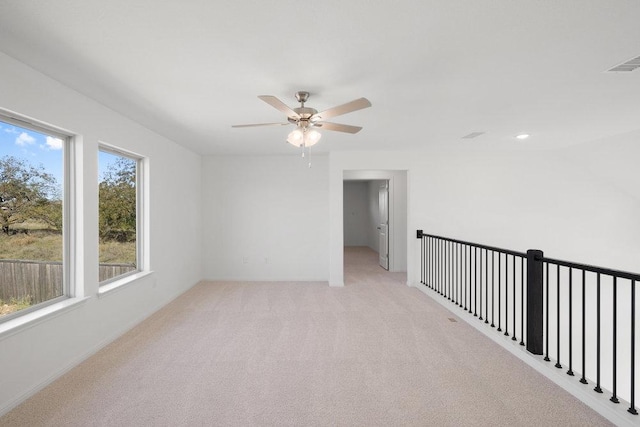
{"x":355,"y":105}
{"x":338,"y":127}
{"x":279,"y":105}
{"x":260,"y":124}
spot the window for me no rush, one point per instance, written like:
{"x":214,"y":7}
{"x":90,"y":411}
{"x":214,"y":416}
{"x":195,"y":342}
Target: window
{"x":119,"y":214}
{"x":33,"y":231}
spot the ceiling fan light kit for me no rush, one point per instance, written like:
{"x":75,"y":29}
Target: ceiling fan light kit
{"x":304,"y":137}
{"x":308,"y":120}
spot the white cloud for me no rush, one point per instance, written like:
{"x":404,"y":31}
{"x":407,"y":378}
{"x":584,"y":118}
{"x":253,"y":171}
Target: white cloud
{"x":25,"y":139}
{"x":54,"y":143}
{"x":10,"y":130}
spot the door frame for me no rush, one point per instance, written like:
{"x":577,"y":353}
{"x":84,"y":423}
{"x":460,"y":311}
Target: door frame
{"x":378,"y":175}
{"x":387,"y":248}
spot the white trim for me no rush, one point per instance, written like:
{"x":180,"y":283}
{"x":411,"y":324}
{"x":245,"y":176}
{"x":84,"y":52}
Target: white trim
{"x":16,"y":119}
{"x":122,"y":281}
{"x":69,"y":227}
{"x":33,"y":318}
{"x":142,"y":217}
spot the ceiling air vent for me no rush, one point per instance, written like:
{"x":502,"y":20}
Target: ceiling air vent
{"x":473,"y":135}
{"x":630,"y":65}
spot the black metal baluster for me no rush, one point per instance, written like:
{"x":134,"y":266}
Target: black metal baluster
{"x":437,"y":271}
{"x":558,"y":364}
{"x":454,"y":290}
{"x":425,"y":244}
{"x":521,"y":300}
{"x":513,"y":259}
{"x":447,"y":269}
{"x":475,"y":282}
{"x":450,"y":269}
{"x":583,"y":380}
{"x":486,"y":286}
{"x":499,"y":292}
{"x":443,"y":268}
{"x":460,"y":275}
{"x":440,"y":269}
{"x":632,"y":408}
{"x":445,"y":246}
{"x":506,"y":295}
{"x":454,"y":273}
{"x":425,"y":258}
{"x":434,"y":273}
{"x":546,"y":333}
{"x":425,"y":241}
{"x":570,"y":371}
{"x":466,"y":279}
{"x":429,"y":257}
{"x":614,"y":398}
{"x":454,"y":284}
{"x":493,"y":288}
{"x":433,"y":263}
{"x":597,"y":388}
{"x":470,"y":282}
{"x":480,"y":318}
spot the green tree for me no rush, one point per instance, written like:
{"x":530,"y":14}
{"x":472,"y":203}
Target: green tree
{"x":27,"y":192}
{"x":117,"y":201}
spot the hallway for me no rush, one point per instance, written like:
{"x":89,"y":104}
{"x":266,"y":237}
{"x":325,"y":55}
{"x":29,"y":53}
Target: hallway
{"x":375,"y":352}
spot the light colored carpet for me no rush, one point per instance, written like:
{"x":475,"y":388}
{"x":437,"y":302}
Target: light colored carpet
{"x":375,"y":352}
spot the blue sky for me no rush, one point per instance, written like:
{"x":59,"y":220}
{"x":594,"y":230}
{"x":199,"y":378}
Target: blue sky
{"x":33,"y":147}
{"x":39,"y":149}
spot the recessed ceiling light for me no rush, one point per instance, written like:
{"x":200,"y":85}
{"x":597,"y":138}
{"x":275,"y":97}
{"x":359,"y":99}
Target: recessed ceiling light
{"x":522,"y":136}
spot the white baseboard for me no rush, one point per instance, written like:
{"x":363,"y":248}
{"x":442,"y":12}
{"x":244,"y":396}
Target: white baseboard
{"x":616,"y":413}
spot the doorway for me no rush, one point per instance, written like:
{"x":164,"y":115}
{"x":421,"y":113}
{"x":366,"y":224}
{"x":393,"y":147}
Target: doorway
{"x":375,"y":216}
{"x":399,"y":233}
{"x":366,"y":218}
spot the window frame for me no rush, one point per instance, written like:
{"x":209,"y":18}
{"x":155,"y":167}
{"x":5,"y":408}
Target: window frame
{"x":68,"y":205}
{"x":141,"y":262}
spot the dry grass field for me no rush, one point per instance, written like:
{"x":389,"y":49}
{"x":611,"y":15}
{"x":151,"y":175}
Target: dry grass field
{"x":39,"y":244}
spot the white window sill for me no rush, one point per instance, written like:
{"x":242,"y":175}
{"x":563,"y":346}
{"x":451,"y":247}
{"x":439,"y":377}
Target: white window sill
{"x":36,"y":317}
{"x":115,"y":285}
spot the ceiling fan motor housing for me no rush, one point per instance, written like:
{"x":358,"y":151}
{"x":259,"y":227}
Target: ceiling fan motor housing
{"x":305,"y":114}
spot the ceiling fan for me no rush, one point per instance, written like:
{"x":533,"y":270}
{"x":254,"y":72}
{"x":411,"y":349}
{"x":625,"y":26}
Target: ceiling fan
{"x":308,"y":120}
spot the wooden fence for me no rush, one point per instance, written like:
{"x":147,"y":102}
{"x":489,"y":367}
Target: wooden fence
{"x":42,"y":281}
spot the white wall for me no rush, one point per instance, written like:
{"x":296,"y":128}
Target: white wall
{"x":518,"y":200}
{"x":32,"y":356}
{"x":357,"y":217}
{"x":265,"y":218}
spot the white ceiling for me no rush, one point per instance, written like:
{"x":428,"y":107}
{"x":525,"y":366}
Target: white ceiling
{"x":433,"y":70}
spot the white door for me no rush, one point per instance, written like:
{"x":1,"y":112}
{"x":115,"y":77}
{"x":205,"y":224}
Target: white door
{"x":383,"y":226}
